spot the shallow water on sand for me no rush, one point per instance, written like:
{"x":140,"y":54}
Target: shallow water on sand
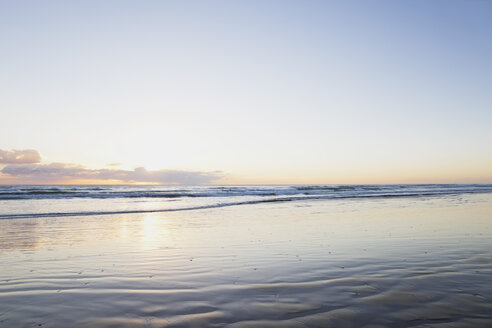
{"x":416,"y":262}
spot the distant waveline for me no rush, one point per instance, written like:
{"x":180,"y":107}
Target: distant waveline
{"x":194,"y":198}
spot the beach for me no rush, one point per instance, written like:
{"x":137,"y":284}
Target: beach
{"x":245,"y":164}
{"x":421,"y":261}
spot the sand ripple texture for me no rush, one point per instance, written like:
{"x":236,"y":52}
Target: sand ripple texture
{"x":363,"y":294}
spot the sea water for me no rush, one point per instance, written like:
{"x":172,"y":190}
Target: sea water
{"x":26,"y":201}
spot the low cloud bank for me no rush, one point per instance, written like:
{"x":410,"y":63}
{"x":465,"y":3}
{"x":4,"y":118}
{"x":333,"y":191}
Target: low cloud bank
{"x":23,"y":166}
{"x":14,"y":156}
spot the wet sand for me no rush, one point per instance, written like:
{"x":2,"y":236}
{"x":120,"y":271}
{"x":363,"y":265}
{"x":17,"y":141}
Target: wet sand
{"x":408,"y":262}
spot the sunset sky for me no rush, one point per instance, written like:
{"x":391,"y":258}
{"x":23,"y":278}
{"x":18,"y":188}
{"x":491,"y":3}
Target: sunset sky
{"x":239,"y":92}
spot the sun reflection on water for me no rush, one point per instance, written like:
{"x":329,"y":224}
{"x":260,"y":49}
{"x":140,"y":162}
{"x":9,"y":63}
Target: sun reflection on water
{"x":154,"y":232}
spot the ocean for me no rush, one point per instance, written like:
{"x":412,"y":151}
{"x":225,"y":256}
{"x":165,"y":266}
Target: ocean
{"x":31,"y":201}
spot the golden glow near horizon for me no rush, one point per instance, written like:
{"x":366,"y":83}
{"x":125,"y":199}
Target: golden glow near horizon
{"x":308,"y":94}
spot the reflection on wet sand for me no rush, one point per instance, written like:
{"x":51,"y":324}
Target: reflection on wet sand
{"x":400,"y":263}
{"x":20,"y":235}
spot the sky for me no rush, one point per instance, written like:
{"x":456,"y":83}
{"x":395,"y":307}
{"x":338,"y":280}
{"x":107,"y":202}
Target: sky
{"x":246,"y":92}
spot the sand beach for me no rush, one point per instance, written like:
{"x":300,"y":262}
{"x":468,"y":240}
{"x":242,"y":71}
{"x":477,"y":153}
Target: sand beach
{"x":386,"y":262}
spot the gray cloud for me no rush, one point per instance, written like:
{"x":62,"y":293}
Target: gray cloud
{"x":60,"y":172}
{"x":14,"y":156}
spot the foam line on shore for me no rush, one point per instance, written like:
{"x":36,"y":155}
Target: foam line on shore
{"x":228,"y":204}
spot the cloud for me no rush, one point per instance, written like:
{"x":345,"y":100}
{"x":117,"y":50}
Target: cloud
{"x":29,"y":156}
{"x":63,"y":172}
{"x":23,"y":166}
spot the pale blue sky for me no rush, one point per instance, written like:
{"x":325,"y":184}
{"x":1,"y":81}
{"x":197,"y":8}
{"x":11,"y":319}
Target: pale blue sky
{"x":264,"y":91}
